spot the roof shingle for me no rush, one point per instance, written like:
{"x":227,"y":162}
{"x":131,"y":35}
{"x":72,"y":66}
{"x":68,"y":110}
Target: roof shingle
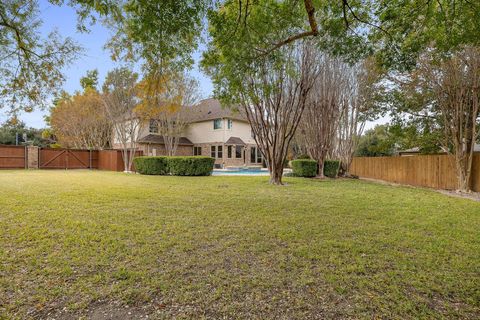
{"x":158,"y":139}
{"x":210,"y":109}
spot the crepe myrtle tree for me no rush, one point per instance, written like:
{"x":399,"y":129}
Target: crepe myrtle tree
{"x":273,"y":96}
{"x":166,"y":98}
{"x":448,"y":89}
{"x":120,"y":100}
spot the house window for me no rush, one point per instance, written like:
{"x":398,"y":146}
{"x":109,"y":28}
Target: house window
{"x":238,"y":152}
{"x":217,"y":124}
{"x":197,"y":151}
{"x":255,"y":155}
{"x":213,"y":150}
{"x":219,"y":152}
{"x":229,"y":152}
{"x":230,"y":124}
{"x":153,"y":127}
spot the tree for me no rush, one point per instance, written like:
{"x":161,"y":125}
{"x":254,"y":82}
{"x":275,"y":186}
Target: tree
{"x":273,"y":96}
{"x":376,"y":142}
{"x":120,"y":100}
{"x":167,"y":100}
{"x":90,"y":80}
{"x":81,"y":121}
{"x":362,"y":101}
{"x":450,"y":88}
{"x":30,"y":65}
{"x":15,"y":132}
{"x":168,"y":32}
{"x":326,"y":103}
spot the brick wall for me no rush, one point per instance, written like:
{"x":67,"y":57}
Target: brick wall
{"x":32,"y":157}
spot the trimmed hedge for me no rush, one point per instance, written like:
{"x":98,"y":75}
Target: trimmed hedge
{"x":304,"y":167}
{"x":190,"y":166}
{"x":330,"y":168}
{"x":151,"y":165}
{"x":177,"y":166}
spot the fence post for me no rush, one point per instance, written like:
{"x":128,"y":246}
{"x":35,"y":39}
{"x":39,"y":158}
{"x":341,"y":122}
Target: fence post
{"x":32,"y":157}
{"x":25,"y":157}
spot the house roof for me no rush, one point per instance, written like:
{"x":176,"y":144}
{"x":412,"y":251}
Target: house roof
{"x":210,"y":109}
{"x":235,"y":140}
{"x":158,"y":139}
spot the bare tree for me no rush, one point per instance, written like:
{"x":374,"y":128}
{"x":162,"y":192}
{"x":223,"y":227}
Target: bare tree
{"x":358,"y":98}
{"x":452,"y":90}
{"x":274,"y":97}
{"x":325,"y":105}
{"x":120,"y":99}
{"x":167,"y":99}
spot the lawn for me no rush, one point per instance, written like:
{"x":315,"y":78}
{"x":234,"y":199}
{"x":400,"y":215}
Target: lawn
{"x":93,"y":244}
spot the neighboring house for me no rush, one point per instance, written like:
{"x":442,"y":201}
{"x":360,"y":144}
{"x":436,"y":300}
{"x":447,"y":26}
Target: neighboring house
{"x":416,"y":151}
{"x":220,"y":133}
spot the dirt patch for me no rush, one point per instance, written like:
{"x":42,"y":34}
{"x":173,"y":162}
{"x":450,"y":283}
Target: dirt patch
{"x":105,"y":311}
{"x":475,"y":196}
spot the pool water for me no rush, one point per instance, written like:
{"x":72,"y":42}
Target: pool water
{"x":244,"y":172}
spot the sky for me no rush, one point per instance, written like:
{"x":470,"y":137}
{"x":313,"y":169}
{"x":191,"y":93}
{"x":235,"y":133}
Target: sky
{"x":94,"y":56}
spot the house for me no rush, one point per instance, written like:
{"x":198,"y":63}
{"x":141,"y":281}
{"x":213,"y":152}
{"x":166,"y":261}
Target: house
{"x":221,"y":133}
{"x":416,"y":151}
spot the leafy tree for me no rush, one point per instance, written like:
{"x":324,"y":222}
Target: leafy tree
{"x":376,"y":142}
{"x":120,"y":99}
{"x":408,"y":27}
{"x":90,"y":80}
{"x":81,"y":121}
{"x":13,"y":129}
{"x":30,"y":65}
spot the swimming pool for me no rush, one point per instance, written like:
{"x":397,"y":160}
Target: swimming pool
{"x":243,"y":172}
{"x":238,"y":172}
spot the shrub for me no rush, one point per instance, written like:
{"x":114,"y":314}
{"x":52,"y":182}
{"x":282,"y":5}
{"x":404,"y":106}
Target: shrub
{"x":303,"y":156}
{"x":190,"y":166}
{"x":304,"y":167}
{"x":330,"y":168}
{"x":151,"y":165}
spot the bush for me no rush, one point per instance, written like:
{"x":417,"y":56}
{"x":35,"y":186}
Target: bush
{"x":303,"y":156}
{"x":190,"y":166}
{"x":151,"y":165}
{"x":304,"y":168}
{"x":330,"y":168}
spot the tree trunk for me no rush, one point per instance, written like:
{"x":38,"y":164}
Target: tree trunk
{"x":320,"y":164}
{"x":276,"y":173}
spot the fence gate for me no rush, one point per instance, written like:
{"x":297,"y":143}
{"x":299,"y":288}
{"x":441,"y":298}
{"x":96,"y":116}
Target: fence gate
{"x":65,"y":159}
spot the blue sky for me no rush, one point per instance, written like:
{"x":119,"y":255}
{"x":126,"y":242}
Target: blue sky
{"x":64,"y":19}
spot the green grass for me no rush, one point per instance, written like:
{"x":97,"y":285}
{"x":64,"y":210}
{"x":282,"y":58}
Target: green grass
{"x":72,"y":242}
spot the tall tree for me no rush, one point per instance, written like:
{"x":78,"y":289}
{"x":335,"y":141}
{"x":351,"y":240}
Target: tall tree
{"x":167,"y":100}
{"x":273,"y":96}
{"x":362,"y":99}
{"x":450,"y":88}
{"x":326,"y":103}
{"x":121,"y":100}
{"x":81,"y":121}
{"x":30,"y":65}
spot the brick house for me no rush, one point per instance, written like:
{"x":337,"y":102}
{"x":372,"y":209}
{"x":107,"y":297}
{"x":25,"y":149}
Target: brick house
{"x":221,"y":133}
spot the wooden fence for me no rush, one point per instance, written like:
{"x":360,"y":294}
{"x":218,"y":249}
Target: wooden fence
{"x":16,"y":157}
{"x":13,"y":157}
{"x":433,"y":171}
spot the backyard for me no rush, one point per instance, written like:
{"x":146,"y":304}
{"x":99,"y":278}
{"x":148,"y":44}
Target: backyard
{"x":111,"y":245}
